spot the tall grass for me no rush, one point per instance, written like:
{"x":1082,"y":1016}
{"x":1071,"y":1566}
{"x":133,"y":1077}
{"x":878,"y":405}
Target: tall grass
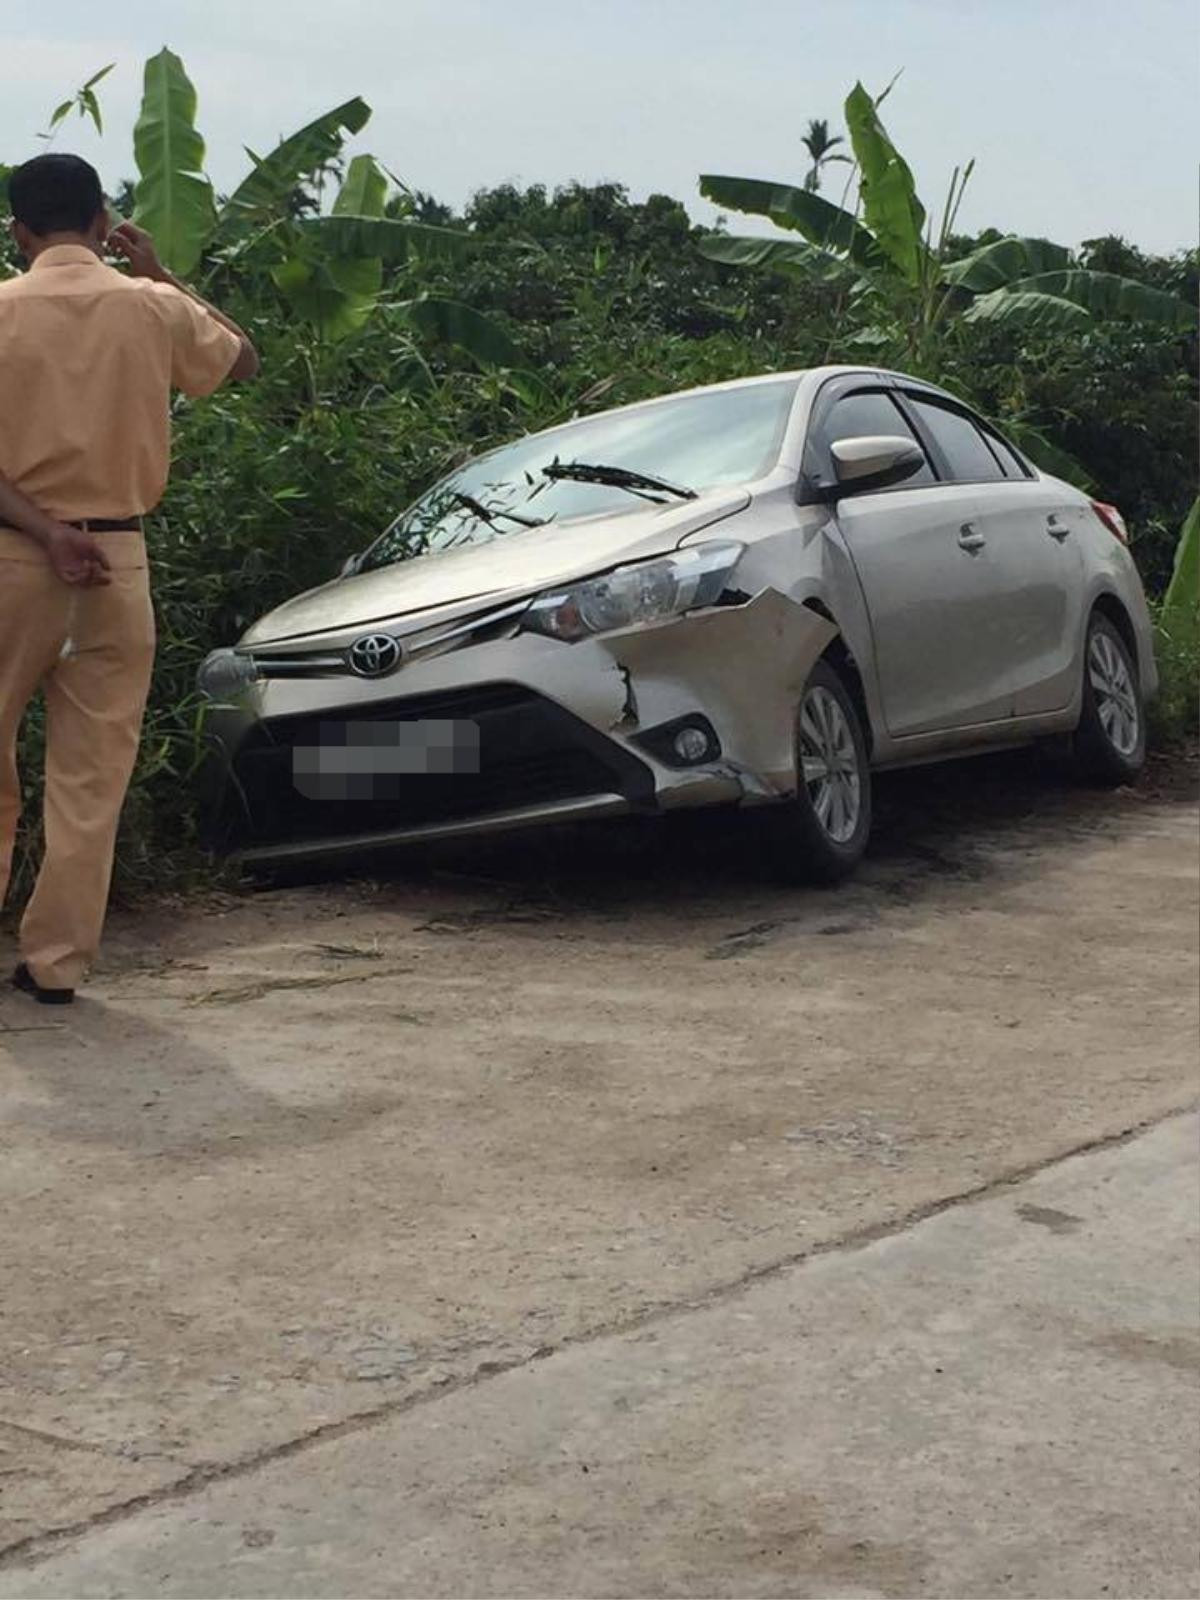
{"x":1175,"y":712}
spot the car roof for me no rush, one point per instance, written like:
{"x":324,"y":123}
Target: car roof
{"x":818,"y":375}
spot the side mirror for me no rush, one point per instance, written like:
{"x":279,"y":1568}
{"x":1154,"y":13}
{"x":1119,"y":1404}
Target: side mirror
{"x":873,"y":463}
{"x":350,"y":566}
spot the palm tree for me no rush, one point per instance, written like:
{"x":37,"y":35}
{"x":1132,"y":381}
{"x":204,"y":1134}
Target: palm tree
{"x":819,"y":145}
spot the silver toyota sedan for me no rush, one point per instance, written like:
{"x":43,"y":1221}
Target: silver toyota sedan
{"x":749,"y":595}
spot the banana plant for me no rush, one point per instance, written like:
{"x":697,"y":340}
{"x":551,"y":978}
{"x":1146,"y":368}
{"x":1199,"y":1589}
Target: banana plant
{"x":335,"y":276}
{"x":888,"y":250}
{"x":1180,"y":615}
{"x":175,"y":199}
{"x":1036,"y":284}
{"x":263,"y":194}
{"x":337,"y":294}
{"x":330,"y":268}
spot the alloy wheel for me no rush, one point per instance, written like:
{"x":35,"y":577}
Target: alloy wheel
{"x":829,"y":763}
{"x":1116,"y":700}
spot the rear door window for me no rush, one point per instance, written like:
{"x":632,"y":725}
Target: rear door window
{"x":967,"y":453}
{"x":1010,"y":461}
{"x":871,"y":412}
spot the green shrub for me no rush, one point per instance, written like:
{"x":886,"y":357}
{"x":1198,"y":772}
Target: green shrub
{"x":1175,"y":713}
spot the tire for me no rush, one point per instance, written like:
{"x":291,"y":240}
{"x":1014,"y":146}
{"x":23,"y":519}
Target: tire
{"x":1109,"y":745}
{"x":820,"y":835}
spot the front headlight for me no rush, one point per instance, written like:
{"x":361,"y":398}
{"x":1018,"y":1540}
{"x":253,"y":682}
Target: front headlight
{"x":649,"y":591}
{"x":225,"y":674}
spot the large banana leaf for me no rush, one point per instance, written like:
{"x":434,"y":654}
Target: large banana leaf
{"x":1108,"y":295}
{"x":338,"y":294}
{"x":994,"y":266}
{"x":1027,"y":310}
{"x":790,"y":255}
{"x":363,"y":190}
{"x":451,"y":322}
{"x":891,"y":209}
{"x":336,"y":297}
{"x":821,"y":223}
{"x":1181,"y":603}
{"x":173,"y":199}
{"x":267,"y":188}
{"x":390,"y":238}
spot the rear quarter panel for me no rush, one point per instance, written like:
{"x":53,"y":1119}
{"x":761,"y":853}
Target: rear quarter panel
{"x":1111,"y":572}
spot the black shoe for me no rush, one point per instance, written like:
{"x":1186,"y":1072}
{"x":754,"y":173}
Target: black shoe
{"x":24,"y":980}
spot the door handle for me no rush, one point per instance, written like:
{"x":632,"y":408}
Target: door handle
{"x":1056,"y":529}
{"x":969,"y":539}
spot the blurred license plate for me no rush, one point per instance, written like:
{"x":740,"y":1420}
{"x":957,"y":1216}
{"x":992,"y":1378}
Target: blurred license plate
{"x":370,"y":760}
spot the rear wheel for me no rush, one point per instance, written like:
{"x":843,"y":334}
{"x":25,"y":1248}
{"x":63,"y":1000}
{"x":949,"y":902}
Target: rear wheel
{"x":821,"y":834}
{"x":1110,"y":739}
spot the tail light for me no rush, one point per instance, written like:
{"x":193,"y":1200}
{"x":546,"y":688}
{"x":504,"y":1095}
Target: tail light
{"x":1112,"y":520}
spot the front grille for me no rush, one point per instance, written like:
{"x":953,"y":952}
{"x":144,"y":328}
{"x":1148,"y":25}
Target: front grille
{"x":531,"y":752}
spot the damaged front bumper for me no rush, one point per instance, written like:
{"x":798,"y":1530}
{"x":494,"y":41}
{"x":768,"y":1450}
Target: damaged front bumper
{"x":565,"y":732}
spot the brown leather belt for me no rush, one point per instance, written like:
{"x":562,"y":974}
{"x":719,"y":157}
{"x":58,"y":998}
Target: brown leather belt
{"x":108,"y":524}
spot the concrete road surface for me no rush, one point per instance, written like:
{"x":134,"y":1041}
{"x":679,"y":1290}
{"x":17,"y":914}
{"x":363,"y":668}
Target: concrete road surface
{"x":999,"y":1400}
{"x":347,"y":1226}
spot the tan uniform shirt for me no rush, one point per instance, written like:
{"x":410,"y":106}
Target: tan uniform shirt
{"x":88,"y":358}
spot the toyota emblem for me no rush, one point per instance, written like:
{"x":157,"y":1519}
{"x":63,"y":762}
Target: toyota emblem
{"x":375,"y":655}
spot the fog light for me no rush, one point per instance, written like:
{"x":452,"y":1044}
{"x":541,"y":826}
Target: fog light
{"x":691,"y":744}
{"x":683,"y":742}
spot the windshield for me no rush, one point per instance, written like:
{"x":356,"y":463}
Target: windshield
{"x":698,"y":441}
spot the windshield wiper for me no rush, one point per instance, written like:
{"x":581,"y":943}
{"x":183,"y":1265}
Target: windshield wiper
{"x":617,"y":478}
{"x":490,"y":513}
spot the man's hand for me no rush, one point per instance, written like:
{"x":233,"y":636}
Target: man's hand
{"x":77,"y":557}
{"x":136,"y":245}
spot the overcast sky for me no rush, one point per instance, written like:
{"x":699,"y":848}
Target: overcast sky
{"x":1081,"y":114}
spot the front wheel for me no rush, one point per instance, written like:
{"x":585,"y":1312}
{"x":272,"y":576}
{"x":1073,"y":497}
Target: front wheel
{"x":1110,"y":739}
{"x":821,"y":834}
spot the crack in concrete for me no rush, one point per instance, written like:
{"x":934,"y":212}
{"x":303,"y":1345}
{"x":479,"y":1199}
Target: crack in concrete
{"x":237,"y":993}
{"x":30,"y":1027}
{"x":58,"y":1440}
{"x":37,"y":1547}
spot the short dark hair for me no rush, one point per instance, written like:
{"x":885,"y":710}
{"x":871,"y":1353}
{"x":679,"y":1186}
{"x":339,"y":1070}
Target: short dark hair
{"x":55,"y":194}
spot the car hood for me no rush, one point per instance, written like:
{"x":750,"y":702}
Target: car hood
{"x":503,"y":569}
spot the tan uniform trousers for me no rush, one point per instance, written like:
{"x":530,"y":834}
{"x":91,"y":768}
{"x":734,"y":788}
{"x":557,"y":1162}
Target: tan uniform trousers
{"x":91,"y":651}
